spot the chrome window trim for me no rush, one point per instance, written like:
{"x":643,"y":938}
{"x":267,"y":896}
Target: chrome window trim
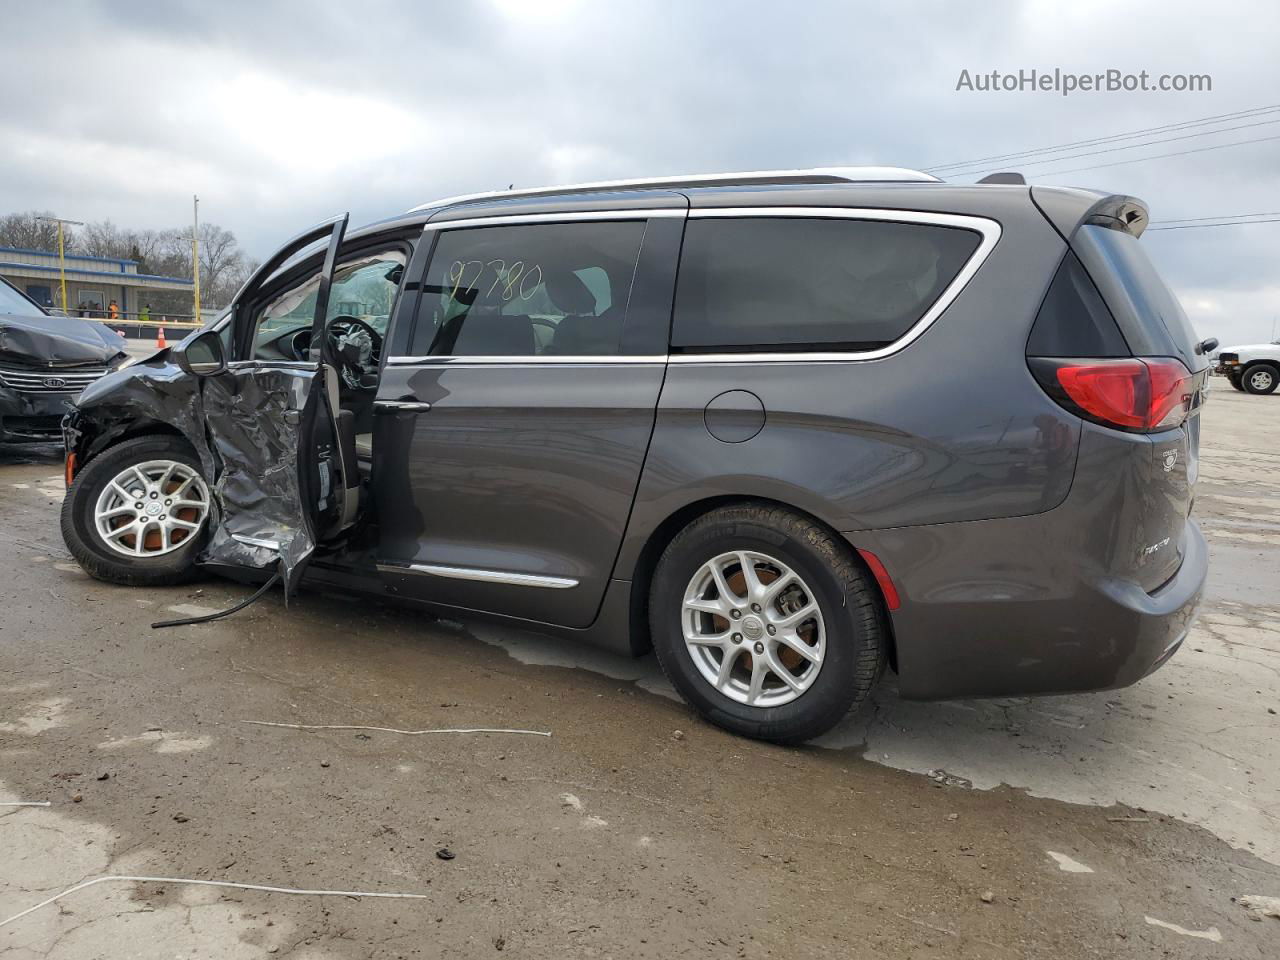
{"x":507,"y":577}
{"x":566,"y":216}
{"x":989,"y":230}
{"x":301,"y":366}
{"x":531,"y":361}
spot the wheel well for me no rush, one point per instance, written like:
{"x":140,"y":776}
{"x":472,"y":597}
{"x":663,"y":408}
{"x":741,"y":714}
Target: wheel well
{"x":129,"y":431}
{"x":666,"y":531}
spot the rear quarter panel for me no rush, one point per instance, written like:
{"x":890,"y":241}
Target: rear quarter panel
{"x":951,"y":428}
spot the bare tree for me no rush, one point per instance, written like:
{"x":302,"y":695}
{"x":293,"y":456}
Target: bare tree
{"x":223,"y":266}
{"x":144,"y":247}
{"x":166,"y":253}
{"x":103,"y":239}
{"x":26,"y":232}
{"x":221,"y":262}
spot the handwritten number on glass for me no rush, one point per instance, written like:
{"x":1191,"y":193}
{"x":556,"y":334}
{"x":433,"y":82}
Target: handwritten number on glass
{"x":508,"y":281}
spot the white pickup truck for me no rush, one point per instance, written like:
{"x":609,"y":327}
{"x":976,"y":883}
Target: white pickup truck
{"x":1254,"y":368}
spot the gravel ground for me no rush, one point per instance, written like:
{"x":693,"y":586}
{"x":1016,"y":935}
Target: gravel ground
{"x":1128,"y":823}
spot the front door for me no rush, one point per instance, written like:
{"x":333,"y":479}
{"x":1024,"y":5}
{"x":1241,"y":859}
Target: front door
{"x":264,"y":419}
{"x":510,"y":434}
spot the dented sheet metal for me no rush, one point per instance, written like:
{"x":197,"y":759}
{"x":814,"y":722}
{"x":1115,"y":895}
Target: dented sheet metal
{"x":51,"y":342}
{"x":255,"y":420}
{"x":246,"y":425}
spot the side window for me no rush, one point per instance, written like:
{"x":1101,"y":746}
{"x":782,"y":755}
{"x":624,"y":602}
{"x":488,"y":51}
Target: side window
{"x":547,"y":289}
{"x":1073,"y":321}
{"x":364,"y":288}
{"x":798,"y":283}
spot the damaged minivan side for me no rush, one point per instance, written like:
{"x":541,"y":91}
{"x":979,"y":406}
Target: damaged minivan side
{"x":197,"y":451}
{"x":785,"y":429}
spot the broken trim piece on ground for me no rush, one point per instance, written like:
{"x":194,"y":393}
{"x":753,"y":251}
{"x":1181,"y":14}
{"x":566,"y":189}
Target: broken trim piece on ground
{"x":211,"y":883}
{"x":409,"y":733}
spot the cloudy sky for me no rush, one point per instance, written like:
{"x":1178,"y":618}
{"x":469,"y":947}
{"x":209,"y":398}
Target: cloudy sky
{"x":280,"y":115}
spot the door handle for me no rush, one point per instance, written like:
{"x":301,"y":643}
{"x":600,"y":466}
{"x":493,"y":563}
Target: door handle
{"x":401,"y":406}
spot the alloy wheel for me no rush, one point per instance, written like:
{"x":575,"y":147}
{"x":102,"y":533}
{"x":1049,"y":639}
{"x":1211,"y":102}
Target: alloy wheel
{"x":152,"y":508}
{"x":1261,"y":380}
{"x":753,"y":628}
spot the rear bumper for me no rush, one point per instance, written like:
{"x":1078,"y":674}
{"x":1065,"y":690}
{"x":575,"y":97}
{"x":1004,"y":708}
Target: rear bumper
{"x":995,"y":608}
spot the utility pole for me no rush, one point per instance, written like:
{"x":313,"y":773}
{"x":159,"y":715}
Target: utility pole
{"x":195,"y":252}
{"x":62,"y":254}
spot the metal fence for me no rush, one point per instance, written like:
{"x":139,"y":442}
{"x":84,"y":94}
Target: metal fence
{"x":135,"y":326}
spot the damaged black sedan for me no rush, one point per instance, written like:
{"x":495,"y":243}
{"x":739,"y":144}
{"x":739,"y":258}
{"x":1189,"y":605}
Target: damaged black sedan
{"x":45,"y":361}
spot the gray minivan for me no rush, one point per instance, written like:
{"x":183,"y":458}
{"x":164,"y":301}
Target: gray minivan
{"x":782,"y":428}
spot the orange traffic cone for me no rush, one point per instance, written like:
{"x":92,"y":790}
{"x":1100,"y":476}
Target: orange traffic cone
{"x":160,"y":344}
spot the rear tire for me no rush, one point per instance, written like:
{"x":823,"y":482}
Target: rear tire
{"x":87,"y":544}
{"x":1261,"y":378}
{"x":847,"y":631}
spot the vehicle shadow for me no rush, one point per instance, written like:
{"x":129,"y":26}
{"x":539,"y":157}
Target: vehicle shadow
{"x":19,"y":454}
{"x":1166,"y":744}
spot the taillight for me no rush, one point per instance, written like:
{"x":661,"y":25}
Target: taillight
{"x":1131,"y":394}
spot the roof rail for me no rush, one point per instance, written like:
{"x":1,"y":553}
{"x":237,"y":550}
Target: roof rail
{"x":744,"y":178}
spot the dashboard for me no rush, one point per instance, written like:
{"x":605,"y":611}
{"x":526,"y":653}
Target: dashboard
{"x":290,"y":344}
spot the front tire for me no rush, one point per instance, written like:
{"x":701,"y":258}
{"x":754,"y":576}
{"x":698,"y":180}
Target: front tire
{"x":138,"y":513}
{"x":1234,"y":380}
{"x":1261,"y":378}
{"x":766,"y":623}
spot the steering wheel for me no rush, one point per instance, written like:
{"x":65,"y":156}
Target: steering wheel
{"x":343,"y":325}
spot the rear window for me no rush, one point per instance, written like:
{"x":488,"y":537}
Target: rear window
{"x":1149,"y":315}
{"x":794,"y":283}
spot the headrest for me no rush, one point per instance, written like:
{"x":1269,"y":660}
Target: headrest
{"x":570,"y":294}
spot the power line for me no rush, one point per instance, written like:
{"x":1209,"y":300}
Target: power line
{"x":1224,"y":216}
{"x":1157,"y":156}
{"x":1127,"y":146}
{"x":1201,"y":226}
{"x":1184,"y":124}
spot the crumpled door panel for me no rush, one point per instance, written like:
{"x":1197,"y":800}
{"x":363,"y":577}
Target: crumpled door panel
{"x":256,"y":421}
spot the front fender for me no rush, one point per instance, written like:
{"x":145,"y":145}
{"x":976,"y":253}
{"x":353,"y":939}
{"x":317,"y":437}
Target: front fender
{"x":154,"y":396}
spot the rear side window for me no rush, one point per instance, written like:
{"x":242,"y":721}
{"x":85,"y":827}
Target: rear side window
{"x":795,"y":283}
{"x":1073,"y":321}
{"x":553,"y":289}
{"x":1147,"y":312}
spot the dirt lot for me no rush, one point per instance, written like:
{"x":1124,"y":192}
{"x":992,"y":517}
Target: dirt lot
{"x":1127,"y":823}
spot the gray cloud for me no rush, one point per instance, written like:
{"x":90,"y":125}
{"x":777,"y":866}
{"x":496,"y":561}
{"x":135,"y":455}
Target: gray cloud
{"x":278,"y":115}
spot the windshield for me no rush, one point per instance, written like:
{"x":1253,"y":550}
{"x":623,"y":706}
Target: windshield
{"x":11,"y":301}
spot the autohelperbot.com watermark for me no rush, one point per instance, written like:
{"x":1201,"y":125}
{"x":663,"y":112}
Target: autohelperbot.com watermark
{"x":1065,"y":82}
